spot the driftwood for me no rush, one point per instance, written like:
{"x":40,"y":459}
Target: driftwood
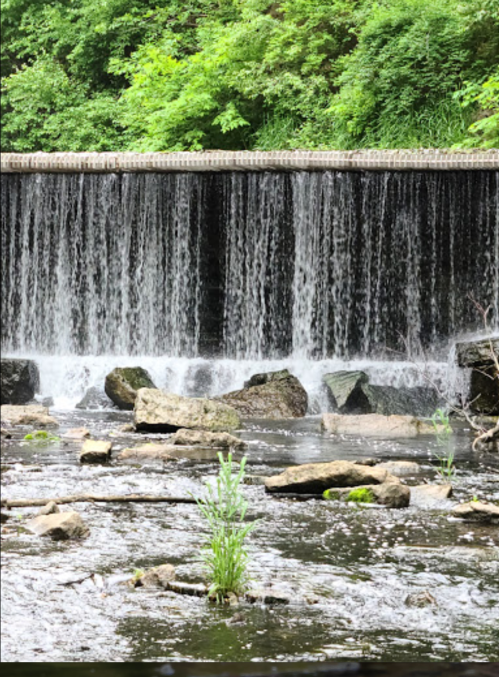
{"x":92,"y":498}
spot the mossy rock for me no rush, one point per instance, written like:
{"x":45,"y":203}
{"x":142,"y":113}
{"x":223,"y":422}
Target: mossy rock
{"x":123,"y":383}
{"x":361,"y":495}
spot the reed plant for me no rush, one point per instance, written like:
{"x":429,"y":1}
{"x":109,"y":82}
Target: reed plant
{"x":224,"y":554}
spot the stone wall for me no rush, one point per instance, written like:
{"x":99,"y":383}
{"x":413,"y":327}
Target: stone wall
{"x":210,"y":161}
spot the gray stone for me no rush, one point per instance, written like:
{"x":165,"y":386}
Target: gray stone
{"x":94,"y":399}
{"x":30,"y":414}
{"x":61,"y":526}
{"x":123,"y":383}
{"x":50,"y":509}
{"x":268,"y":596}
{"x":95,"y":451}
{"x":477,"y":354}
{"x":276,"y":395}
{"x":430,"y":495}
{"x":420,"y":600}
{"x":375,"y":425}
{"x":20,"y":381}
{"x":400,"y":468}
{"x":156,"y":411}
{"x":76,"y":434}
{"x":345,"y":387}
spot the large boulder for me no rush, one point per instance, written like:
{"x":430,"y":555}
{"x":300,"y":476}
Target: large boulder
{"x":340,"y":477}
{"x":479,"y":356}
{"x":275,"y":395}
{"x":375,"y":425}
{"x":351,"y":393}
{"x":156,"y":411}
{"x":94,"y":399}
{"x":60,"y":526}
{"x":123,"y":383}
{"x":30,"y":414}
{"x":20,"y":381}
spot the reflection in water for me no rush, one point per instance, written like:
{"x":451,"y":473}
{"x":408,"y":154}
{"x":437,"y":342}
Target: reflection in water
{"x":254,"y":670}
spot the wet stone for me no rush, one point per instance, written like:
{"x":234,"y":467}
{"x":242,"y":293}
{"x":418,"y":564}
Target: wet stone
{"x":95,"y":451}
{"x":420,"y":600}
{"x":62,"y":526}
{"x":76,"y":434}
{"x":31,"y":414}
{"x":477,"y":511}
{"x":50,"y":509}
{"x":159,"y":577}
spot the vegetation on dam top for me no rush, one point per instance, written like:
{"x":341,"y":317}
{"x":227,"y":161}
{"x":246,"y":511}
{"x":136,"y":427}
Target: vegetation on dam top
{"x":157,"y":75}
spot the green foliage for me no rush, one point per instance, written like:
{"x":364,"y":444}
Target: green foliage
{"x":191,"y":74}
{"x":440,"y":421}
{"x":224,"y":554}
{"x":361,"y":495}
{"x":331,"y":495}
{"x":445,"y":457}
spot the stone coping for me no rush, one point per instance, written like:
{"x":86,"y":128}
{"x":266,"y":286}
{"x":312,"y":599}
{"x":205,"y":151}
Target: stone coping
{"x":212,"y":161}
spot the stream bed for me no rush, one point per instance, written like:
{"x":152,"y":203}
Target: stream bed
{"x":349,"y":571}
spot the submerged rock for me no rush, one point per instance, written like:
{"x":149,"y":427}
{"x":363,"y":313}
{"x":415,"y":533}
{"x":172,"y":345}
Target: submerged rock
{"x":123,"y":383}
{"x":76,"y":434}
{"x":156,"y":411}
{"x":201,"y":438}
{"x":274,"y":395}
{"x":483,"y":394}
{"x":159,"y":577}
{"x":20,"y":381}
{"x":95,"y":451}
{"x":61,"y":526}
{"x":51,"y":508}
{"x":430,"y":495}
{"x":94,"y":399}
{"x":476,"y":511}
{"x":420,"y":600}
{"x":30,"y":414}
{"x":375,"y":425}
{"x":351,"y":393}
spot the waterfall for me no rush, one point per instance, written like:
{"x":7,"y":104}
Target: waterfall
{"x":247,"y":265}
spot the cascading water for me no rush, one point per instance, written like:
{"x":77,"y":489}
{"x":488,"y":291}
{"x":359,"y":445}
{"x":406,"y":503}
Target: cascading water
{"x":302,"y":269}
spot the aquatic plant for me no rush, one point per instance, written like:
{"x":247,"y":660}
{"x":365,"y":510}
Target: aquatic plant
{"x":224,"y":554}
{"x":361,"y":495}
{"x":445,"y":458}
{"x":331,"y":495}
{"x":41,"y":436}
{"x":441,"y":422}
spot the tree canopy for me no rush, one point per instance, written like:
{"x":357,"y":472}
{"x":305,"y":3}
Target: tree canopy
{"x":158,"y":75}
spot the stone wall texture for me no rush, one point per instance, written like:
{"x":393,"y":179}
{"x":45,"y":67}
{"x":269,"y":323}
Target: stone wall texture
{"x":212,"y":161}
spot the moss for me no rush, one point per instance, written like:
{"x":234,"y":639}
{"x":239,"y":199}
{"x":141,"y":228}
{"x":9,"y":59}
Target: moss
{"x":361,"y":495}
{"x":331,"y":495}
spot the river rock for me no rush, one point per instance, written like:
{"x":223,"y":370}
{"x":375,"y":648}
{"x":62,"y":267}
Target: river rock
{"x":51,"y":508}
{"x":95,"y":451}
{"x":20,"y":381}
{"x":156,"y":411}
{"x":61,"y":526}
{"x":30,"y":414}
{"x":94,"y":399}
{"x":351,"y":393}
{"x":123,"y":383}
{"x":483,"y":393}
{"x":159,"y":577}
{"x":201,"y":438}
{"x":430,"y":495}
{"x":76,"y":434}
{"x":477,"y":354}
{"x":275,"y":395}
{"x":476,"y":511}
{"x":420,"y":600}
{"x":375,"y":425}
{"x":391,"y":493}
{"x":315,"y":478}
{"x":400,"y":468}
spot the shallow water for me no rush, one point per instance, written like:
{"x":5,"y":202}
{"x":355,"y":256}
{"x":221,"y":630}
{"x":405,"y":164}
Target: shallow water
{"x":348,"y":569}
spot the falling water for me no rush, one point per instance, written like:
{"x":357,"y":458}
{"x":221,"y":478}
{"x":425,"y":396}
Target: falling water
{"x":247,"y":266}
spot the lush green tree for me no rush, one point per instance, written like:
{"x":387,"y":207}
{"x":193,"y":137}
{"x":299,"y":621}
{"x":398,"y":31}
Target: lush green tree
{"x":191,"y":74}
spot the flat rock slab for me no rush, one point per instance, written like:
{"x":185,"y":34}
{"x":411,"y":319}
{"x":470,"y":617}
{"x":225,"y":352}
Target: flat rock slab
{"x":375,"y":425}
{"x":430,"y":495}
{"x":61,"y":526}
{"x":207,"y":440}
{"x":95,"y":451}
{"x":156,"y":411}
{"x":169,"y":452}
{"x":29,"y":414}
{"x":476,"y":511}
{"x":315,"y":478}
